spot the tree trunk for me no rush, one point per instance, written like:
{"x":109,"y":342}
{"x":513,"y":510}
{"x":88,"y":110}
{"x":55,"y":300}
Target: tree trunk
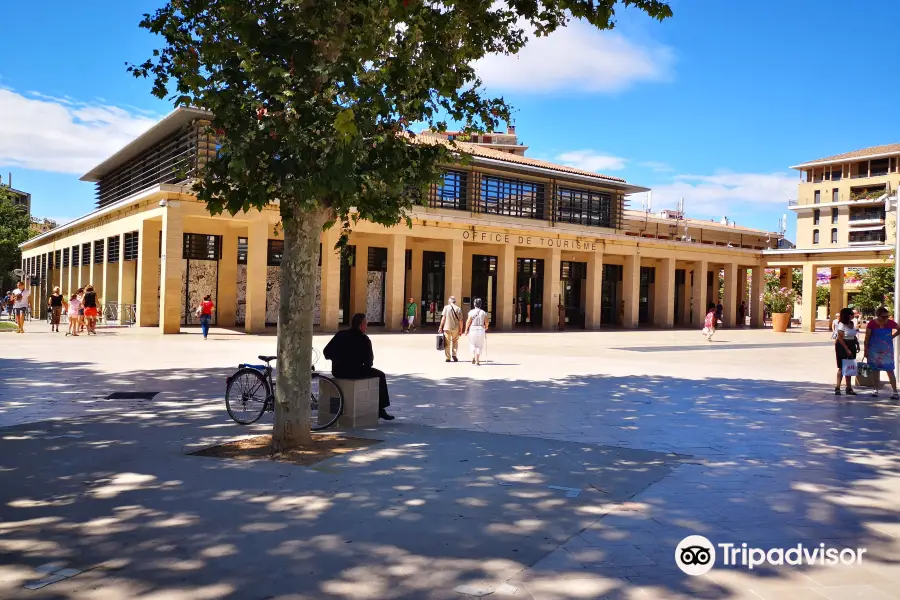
{"x":295,"y":329}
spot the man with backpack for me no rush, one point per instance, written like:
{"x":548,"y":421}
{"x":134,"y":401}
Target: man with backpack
{"x":451,"y":327}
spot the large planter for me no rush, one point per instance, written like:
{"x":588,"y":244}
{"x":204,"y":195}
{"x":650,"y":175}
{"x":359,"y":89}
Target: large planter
{"x":780,"y":321}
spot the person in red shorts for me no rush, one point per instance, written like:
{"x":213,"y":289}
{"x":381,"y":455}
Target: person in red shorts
{"x":90,"y":309}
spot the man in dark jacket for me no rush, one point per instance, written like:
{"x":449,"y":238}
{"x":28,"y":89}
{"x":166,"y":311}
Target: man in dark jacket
{"x":350,"y":353}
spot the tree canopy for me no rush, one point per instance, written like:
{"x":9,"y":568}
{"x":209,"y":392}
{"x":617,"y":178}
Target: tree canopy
{"x":15,"y":228}
{"x":876,"y":288}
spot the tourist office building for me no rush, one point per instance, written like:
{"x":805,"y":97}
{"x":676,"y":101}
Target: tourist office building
{"x":545,"y":246}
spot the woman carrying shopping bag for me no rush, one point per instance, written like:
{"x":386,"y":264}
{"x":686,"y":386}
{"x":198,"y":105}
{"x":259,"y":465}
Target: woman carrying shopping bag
{"x":845,"y":349}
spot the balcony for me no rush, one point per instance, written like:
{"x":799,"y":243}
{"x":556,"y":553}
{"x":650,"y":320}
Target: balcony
{"x":868,"y":236}
{"x":869,"y":217}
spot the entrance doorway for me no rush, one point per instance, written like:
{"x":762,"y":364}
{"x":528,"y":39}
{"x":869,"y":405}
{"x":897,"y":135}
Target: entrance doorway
{"x":611,"y":307}
{"x":648,"y":276}
{"x":529,"y":291}
{"x":484,"y":283}
{"x":572,"y":289}
{"x":433,"y":272}
{"x":348,"y":258}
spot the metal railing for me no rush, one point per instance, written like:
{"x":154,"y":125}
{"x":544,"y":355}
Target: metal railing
{"x":122,"y":314}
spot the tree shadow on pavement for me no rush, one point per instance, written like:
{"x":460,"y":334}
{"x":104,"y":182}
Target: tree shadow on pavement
{"x":576,"y":488}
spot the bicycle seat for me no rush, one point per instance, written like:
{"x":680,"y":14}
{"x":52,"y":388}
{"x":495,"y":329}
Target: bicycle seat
{"x":267,"y":358}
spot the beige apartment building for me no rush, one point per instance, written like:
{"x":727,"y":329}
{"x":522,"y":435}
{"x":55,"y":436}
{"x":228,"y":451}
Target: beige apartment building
{"x":841,"y":220}
{"x":546,"y":246}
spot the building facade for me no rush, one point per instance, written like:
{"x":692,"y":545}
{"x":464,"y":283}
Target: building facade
{"x":545,"y":246}
{"x":841,"y":221}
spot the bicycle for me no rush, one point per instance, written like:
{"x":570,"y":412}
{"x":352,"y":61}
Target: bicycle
{"x":250,"y":392}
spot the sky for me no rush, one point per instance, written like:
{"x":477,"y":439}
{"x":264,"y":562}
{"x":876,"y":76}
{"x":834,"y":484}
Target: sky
{"x":712,"y":105}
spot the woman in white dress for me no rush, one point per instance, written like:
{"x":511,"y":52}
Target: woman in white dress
{"x":476,"y":327}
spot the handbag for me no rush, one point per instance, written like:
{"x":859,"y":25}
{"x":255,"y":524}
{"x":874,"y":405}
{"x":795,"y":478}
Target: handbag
{"x":849,"y":367}
{"x":866,"y":376}
{"x":440,"y":341}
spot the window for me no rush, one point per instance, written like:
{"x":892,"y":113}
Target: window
{"x":837,"y":173}
{"x":835,"y":195}
{"x":112,"y":249}
{"x":511,"y":197}
{"x":74,"y":256}
{"x":98,"y":252}
{"x":377,"y":259}
{"x":816,"y":236}
{"x":132,"y":241}
{"x":834,"y":216}
{"x":86,"y":253}
{"x":816,"y":215}
{"x":583,"y":207}
{"x":818,"y":197}
{"x":450,"y":192}
{"x":242,"y":251}
{"x":867,"y":237}
{"x":834,"y":236}
{"x":275,"y":253}
{"x":50,"y":260}
{"x":878,"y":167}
{"x":65,"y":257}
{"x":198,"y":246}
{"x":57,"y":259}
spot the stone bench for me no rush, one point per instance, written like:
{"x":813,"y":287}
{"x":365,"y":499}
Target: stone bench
{"x":360,"y":402}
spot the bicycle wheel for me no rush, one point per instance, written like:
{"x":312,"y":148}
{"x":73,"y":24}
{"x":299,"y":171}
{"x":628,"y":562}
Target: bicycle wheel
{"x":246,"y":396}
{"x":326,"y":402}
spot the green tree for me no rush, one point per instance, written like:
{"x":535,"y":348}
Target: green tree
{"x":15,"y":228}
{"x":876,"y":288}
{"x":823,"y":294}
{"x":312,"y":102}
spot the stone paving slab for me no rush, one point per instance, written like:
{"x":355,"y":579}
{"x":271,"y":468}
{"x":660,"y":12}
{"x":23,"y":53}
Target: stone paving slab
{"x":412,"y":517}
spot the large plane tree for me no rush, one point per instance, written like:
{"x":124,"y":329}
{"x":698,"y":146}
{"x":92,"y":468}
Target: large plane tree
{"x":312,"y":101}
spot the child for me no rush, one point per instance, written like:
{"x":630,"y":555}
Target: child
{"x":709,"y":326}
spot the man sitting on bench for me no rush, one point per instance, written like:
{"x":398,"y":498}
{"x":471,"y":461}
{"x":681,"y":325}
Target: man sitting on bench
{"x":350,"y":353}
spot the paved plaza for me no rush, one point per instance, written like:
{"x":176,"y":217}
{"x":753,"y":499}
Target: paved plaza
{"x":569,"y":466}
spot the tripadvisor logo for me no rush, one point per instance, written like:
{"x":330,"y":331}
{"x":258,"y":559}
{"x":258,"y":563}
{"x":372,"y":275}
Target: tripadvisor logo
{"x":696,"y":555}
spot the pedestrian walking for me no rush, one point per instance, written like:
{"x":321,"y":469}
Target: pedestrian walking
{"x":204,"y":311}
{"x":834,"y":324}
{"x":720,"y":311}
{"x":845,"y":348}
{"x":74,"y":313}
{"x":476,"y":328}
{"x":451,"y":327}
{"x":742,"y":314}
{"x":879,"y":348}
{"x":411,"y":316}
{"x":81,"y":319}
{"x":20,"y":305}
{"x":55,"y":305}
{"x":89,"y":300}
{"x":709,"y":324}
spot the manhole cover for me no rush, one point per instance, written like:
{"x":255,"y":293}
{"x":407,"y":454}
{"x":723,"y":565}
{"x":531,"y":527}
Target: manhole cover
{"x":131,"y":396}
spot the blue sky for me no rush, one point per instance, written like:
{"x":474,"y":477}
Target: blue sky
{"x":713,"y":105}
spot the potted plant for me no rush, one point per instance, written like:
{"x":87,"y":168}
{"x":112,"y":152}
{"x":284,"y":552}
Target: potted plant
{"x":779,"y":302}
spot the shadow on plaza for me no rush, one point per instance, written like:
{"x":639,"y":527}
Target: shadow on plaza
{"x":657,"y":458}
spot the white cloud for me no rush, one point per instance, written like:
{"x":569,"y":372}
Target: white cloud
{"x":590,"y":160}
{"x":62,"y":135}
{"x":659,"y":167}
{"x":577,"y":57}
{"x":725,"y":193}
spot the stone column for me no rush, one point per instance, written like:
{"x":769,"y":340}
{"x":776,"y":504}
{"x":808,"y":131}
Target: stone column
{"x":396,"y":272}
{"x":808,"y":303}
{"x":836,"y":292}
{"x":785,"y":277}
{"x":506,"y":286}
{"x":226,"y":295}
{"x":170,"y":296}
{"x":257,"y":260}
{"x":105,"y":273}
{"x":551,"y":289}
{"x":699,"y":294}
{"x":742,"y":290}
{"x":756,"y":305}
{"x":631,"y":290}
{"x":453,"y":275}
{"x":360,"y":278}
{"x":665,"y":294}
{"x":729,"y":302}
{"x":330,"y":298}
{"x":594,"y":290}
{"x":144,"y":292}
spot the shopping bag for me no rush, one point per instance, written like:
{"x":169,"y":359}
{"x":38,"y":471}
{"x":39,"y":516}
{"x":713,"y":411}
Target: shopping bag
{"x":440,"y":341}
{"x":866,"y":376}
{"x":849,"y":368}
